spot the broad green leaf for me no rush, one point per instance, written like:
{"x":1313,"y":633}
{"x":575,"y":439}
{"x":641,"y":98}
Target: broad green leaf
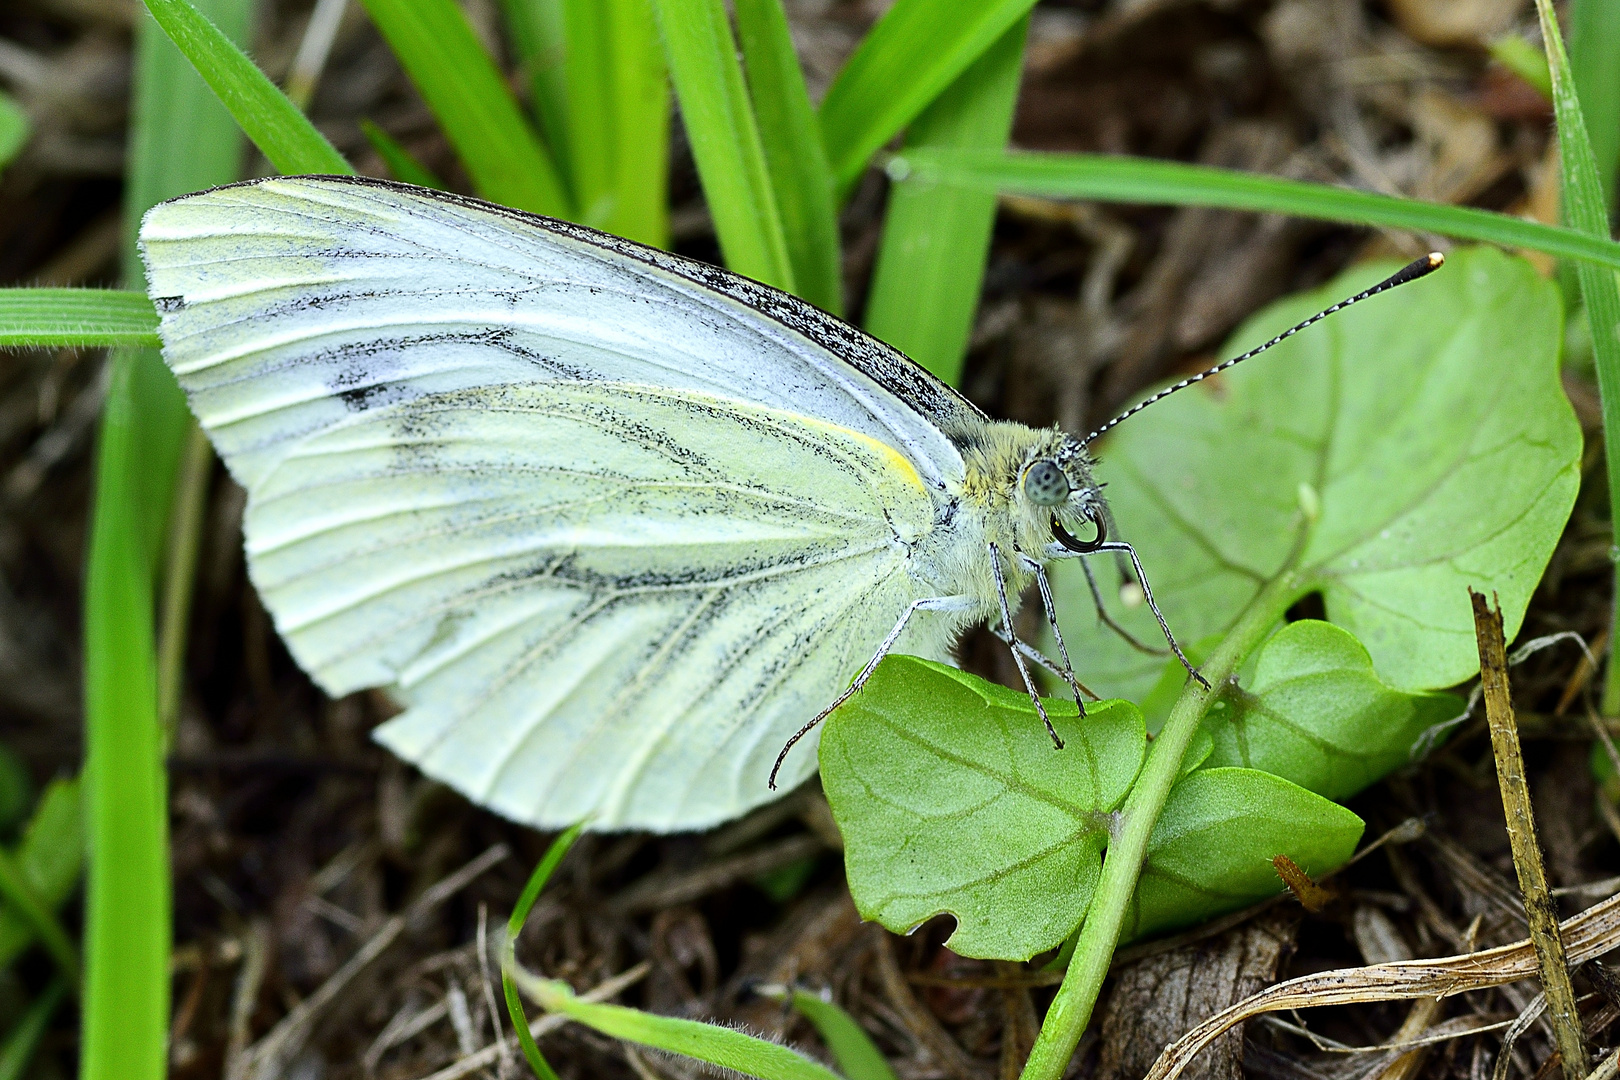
{"x":858,"y":1058}
{"x":797,"y":161}
{"x":469,"y":96}
{"x":914,"y":52}
{"x":14,"y":128}
{"x":1594,"y":59}
{"x":60,"y":318}
{"x":1388,"y":458}
{"x":725,"y":139}
{"x":50,"y":858}
{"x":273,"y":123}
{"x":925,"y":288}
{"x":1113,"y":178}
{"x":724,"y":1047}
{"x":1211,"y":849}
{"x":951,"y":798}
{"x":402,"y":164}
{"x":1316,"y":713}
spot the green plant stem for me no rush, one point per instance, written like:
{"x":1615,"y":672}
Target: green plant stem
{"x":1066,"y":1020}
{"x":180,"y":573}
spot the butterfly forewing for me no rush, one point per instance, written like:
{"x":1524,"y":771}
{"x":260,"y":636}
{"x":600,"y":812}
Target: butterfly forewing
{"x":609,"y":534}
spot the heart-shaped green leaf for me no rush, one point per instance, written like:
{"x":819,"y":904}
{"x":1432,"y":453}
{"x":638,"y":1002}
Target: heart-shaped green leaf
{"x":1316,"y":713}
{"x":1211,"y":849}
{"x":951,"y":798}
{"x":1397,"y":453}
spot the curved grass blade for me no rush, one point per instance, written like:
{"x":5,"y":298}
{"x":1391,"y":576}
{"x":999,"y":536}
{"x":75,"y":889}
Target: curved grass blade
{"x":793,"y":150}
{"x":1586,"y":209}
{"x":1594,"y":59}
{"x":17,"y":1052}
{"x":913,"y":53}
{"x":514,"y":925}
{"x":857,"y":1056}
{"x":639,"y":125}
{"x":402,"y":164}
{"x":50,"y":859}
{"x":535,"y":32}
{"x":725,"y":139}
{"x":925,"y":288}
{"x":724,"y":1047}
{"x":460,"y":83}
{"x":274,"y":123}
{"x":84,"y":318}
{"x":1110,"y":178}
{"x":21,"y":897}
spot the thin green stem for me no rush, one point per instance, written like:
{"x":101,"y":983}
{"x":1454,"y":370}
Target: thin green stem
{"x":1071,"y":1009}
{"x":180,"y":573}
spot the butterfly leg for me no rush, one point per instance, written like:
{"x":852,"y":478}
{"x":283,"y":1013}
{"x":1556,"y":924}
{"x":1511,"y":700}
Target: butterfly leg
{"x":1066,"y":673}
{"x":1035,"y":656}
{"x":1017,"y":650}
{"x":932,"y":603}
{"x":1108,"y":620}
{"x":1147,"y":593}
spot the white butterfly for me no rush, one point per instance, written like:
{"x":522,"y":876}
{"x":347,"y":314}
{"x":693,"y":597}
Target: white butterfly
{"x":614,"y":526}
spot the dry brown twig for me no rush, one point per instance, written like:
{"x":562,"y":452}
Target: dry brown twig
{"x":1539,"y":907}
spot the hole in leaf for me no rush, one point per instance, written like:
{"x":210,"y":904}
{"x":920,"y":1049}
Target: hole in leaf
{"x":1309,"y":606}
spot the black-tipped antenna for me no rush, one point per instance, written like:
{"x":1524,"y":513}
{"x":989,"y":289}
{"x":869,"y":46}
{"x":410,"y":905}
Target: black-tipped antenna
{"x":1411,"y":272}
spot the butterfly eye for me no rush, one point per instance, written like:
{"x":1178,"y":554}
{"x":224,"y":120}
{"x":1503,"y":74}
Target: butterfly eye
{"x":1045,"y":484}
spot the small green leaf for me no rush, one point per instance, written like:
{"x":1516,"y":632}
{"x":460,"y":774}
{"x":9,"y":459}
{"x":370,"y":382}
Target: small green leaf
{"x":1210,"y":851}
{"x":914,"y":52}
{"x":402,"y":164}
{"x":1316,"y":714}
{"x":469,"y":96}
{"x":50,"y":858}
{"x":952,"y":798}
{"x":1434,"y":435}
{"x":858,"y":1058}
{"x":275,"y":124}
{"x":725,"y":139}
{"x":796,"y":158}
{"x":930,"y":265}
{"x":14,"y":128}
{"x":1113,"y":178}
{"x":1524,"y":60}
{"x":58,"y":318}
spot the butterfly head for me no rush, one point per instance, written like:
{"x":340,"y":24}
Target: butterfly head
{"x":1036,"y":485}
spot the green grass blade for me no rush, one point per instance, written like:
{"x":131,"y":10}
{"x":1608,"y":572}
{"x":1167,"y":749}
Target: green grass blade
{"x":514,"y":926}
{"x":14,"y":128}
{"x":273,"y":123}
{"x":402,"y":164}
{"x":182,"y":138}
{"x":588,"y":75}
{"x":640,"y":128}
{"x":930,"y":265}
{"x":857,"y":1056}
{"x":791,"y":136}
{"x":725,"y":139}
{"x":126,"y":998}
{"x":1586,"y":209}
{"x":1594,"y":54}
{"x":50,"y":858}
{"x":58,"y":318}
{"x":913,"y":53}
{"x":1139,"y":180}
{"x":17,"y":1052}
{"x":724,"y":1047}
{"x":462,"y":86}
{"x":535,"y":29}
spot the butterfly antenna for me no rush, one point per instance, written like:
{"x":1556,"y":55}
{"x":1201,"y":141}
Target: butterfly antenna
{"x":1411,"y":272}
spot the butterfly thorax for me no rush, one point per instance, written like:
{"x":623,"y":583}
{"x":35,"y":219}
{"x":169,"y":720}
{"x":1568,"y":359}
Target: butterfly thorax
{"x":1009,"y":495}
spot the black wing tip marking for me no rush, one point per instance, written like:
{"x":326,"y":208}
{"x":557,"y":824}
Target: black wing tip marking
{"x":878,"y":360}
{"x":168,"y":305}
